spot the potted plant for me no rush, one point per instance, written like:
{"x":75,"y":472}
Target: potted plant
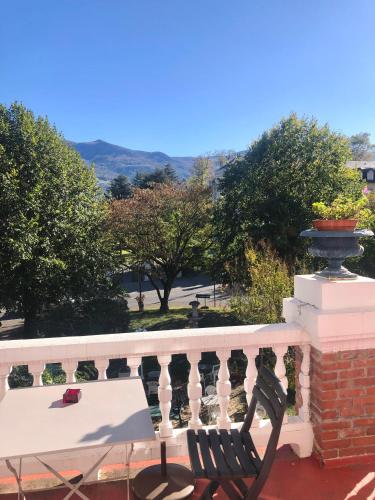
{"x":342,"y":215}
{"x":335,"y":238}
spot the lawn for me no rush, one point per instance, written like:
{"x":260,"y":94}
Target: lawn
{"x":177,"y":318}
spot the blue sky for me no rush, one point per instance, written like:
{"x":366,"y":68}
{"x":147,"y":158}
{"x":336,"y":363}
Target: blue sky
{"x":189,"y":76}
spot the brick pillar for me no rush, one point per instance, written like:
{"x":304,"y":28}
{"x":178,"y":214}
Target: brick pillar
{"x":343,"y":404}
{"x":340,"y":319}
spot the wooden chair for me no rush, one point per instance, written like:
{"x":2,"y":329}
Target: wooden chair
{"x":227,"y":457}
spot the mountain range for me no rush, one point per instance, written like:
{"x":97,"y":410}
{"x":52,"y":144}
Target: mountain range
{"x":111,"y":160}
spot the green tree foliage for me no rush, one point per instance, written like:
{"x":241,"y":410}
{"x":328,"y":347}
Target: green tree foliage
{"x":362,"y":149}
{"x":120,"y":188}
{"x":268,"y":194}
{"x":52,"y":245}
{"x":167,"y":228}
{"x":365,"y":265}
{"x":270,"y":282}
{"x":165,"y":175}
{"x":203,"y":171}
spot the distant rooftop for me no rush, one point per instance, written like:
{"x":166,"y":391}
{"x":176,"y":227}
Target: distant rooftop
{"x":361,"y":164}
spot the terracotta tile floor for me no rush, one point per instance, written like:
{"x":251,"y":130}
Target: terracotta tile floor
{"x":290,"y":479}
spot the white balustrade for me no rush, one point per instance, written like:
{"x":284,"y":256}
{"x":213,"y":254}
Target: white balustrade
{"x":251,"y":374}
{"x":280,"y":370}
{"x":133,"y":364}
{"x":194,"y":390}
{"x":101,"y":364}
{"x":5,"y":370}
{"x":223,"y":388}
{"x":163,"y":344}
{"x":165,"y":397}
{"x":304,"y":379}
{"x":36,"y":368}
{"x":70,"y":366}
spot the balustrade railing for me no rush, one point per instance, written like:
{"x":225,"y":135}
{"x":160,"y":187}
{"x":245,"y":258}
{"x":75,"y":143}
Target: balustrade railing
{"x":68,"y":351}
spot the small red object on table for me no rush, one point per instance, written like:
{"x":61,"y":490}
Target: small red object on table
{"x":72,"y":396}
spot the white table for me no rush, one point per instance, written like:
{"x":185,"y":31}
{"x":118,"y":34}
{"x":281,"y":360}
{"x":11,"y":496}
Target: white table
{"x":34,"y":422}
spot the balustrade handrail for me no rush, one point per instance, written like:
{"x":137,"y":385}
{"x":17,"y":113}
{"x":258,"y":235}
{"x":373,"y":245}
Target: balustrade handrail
{"x":154,"y":343}
{"x":37,"y":353}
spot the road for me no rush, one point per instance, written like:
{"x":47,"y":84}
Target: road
{"x":183,"y":292}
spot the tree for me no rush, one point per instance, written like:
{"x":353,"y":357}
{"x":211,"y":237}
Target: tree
{"x":362,"y":149}
{"x":165,"y":175}
{"x":365,"y":265}
{"x":120,"y":188}
{"x":203,"y":171}
{"x":170,"y":173}
{"x":268,"y":194}
{"x":167,"y":229}
{"x":52,"y":245}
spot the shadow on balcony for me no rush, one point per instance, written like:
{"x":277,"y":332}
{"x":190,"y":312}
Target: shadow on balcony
{"x":291,"y":478}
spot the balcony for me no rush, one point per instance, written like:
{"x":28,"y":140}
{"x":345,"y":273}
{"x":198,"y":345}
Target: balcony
{"x":321,"y":320}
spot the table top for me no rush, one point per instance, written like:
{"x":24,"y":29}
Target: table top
{"x":35,"y":421}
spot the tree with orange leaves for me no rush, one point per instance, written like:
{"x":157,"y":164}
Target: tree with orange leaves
{"x":165,"y":229}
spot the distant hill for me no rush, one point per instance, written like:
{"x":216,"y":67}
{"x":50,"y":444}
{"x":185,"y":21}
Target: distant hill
{"x":111,"y":160}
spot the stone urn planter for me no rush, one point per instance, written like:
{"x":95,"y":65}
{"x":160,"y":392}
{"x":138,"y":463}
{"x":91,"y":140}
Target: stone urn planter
{"x":194,"y":316}
{"x":335,"y":246}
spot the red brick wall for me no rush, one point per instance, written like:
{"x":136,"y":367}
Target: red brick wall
{"x":343,"y":404}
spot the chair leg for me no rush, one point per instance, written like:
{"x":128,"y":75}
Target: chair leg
{"x":241,"y":486}
{"x":230,"y":490}
{"x":210,"y":490}
{"x":255,"y":489}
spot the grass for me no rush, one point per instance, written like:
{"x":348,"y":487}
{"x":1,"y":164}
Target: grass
{"x":177,"y":318}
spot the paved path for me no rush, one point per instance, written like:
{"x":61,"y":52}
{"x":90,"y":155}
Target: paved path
{"x":11,"y":327}
{"x":183,"y":292}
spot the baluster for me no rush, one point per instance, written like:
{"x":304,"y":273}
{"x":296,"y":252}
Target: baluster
{"x":36,"y":368}
{"x":70,"y":366}
{"x":101,"y":365}
{"x":223,"y":388}
{"x":304,"y":379}
{"x":133,"y":364}
{"x":194,"y":390}
{"x":280,"y":370}
{"x":165,"y":397}
{"x":251,"y":376}
{"x":4,"y":374}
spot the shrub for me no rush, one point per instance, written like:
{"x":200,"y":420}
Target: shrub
{"x":270,"y":283}
{"x":92,"y":317}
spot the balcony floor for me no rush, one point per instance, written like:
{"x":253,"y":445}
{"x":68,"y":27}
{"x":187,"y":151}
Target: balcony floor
{"x":290,"y":479}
